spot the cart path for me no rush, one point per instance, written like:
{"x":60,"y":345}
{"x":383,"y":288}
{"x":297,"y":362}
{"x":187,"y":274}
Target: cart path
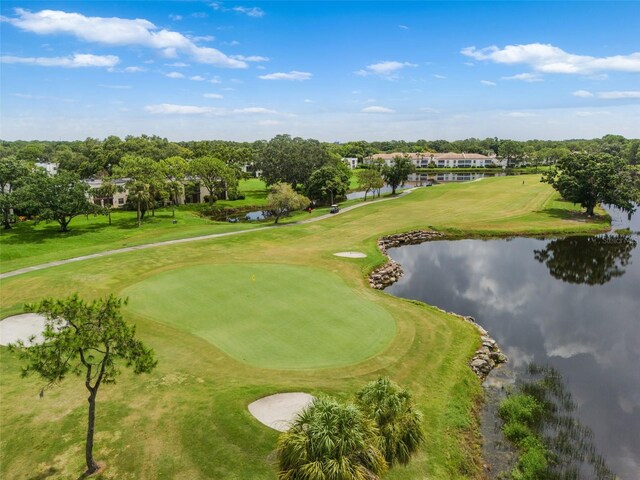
{"x":56,"y":263}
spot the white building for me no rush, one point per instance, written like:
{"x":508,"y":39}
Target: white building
{"x":352,"y":162}
{"x":462,"y":160}
{"x":420,"y":160}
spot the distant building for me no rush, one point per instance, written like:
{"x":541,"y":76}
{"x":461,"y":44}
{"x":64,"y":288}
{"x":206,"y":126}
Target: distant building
{"x":50,"y":168}
{"x":352,"y":162}
{"x":462,"y":160}
{"x":420,"y":160}
{"x":117,"y":200}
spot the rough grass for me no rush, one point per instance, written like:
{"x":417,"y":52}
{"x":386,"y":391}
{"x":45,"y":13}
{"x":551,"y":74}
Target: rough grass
{"x":188,"y":419}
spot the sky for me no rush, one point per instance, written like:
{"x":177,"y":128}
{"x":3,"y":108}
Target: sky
{"x":334,"y":71}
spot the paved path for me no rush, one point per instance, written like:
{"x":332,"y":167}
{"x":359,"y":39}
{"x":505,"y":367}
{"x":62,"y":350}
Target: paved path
{"x":42,"y":266}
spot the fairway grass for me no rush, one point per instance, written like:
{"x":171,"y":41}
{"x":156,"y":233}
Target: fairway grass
{"x":269,"y":316}
{"x":188,"y":419}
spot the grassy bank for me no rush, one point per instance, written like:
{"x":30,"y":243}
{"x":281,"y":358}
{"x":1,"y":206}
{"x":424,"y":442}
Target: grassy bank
{"x":188,"y":419}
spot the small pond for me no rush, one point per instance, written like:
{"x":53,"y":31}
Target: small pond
{"x":571,"y":303}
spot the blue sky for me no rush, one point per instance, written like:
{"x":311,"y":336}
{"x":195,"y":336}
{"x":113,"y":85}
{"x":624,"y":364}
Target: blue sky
{"x":335,"y":71}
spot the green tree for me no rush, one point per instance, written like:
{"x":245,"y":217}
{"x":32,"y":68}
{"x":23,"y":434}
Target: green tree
{"x":60,"y":197}
{"x":329,"y":183}
{"x":511,"y":151}
{"x":291,"y":160}
{"x":329,"y":440}
{"x":369,"y":180}
{"x":174,"y":170}
{"x":398,"y":172}
{"x":214,"y":174}
{"x":593,"y":178}
{"x":283,"y":199}
{"x":13,"y":174}
{"x":104,"y":193}
{"x":397,"y":419}
{"x":90,"y":340}
{"x":143,"y":179}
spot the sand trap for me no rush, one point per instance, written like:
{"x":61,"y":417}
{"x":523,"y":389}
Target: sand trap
{"x":21,"y":327}
{"x":351,"y":254}
{"x":279,"y":410}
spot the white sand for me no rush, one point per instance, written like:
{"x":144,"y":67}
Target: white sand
{"x":351,"y":254}
{"x":279,"y":410}
{"x":21,"y":327}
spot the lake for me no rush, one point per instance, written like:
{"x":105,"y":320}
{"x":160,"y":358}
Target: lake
{"x":571,"y":303}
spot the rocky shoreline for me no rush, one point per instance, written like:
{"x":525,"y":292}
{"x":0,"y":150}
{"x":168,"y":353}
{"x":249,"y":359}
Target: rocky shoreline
{"x":489,"y":355}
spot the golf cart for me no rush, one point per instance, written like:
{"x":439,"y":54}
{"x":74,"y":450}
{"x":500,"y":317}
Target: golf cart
{"x":334,"y":209}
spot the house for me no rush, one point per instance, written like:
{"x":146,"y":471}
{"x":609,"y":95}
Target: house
{"x":462,"y":160}
{"x":351,"y":162}
{"x":118,"y":199}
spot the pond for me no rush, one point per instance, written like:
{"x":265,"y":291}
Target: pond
{"x":571,"y":303}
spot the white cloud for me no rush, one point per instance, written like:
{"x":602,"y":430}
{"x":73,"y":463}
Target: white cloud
{"x":269,"y":123}
{"x":308,"y":100}
{"x":175,"y":18}
{"x":255,"y":110}
{"x":174,"y":75}
{"x":547,"y":58}
{"x":254,"y":12}
{"x":403,"y":27}
{"x":525,"y":77}
{"x":203,"y":38}
{"x":488,"y":82}
{"x":216,"y":96}
{"x":619,"y":95}
{"x":215,"y":79}
{"x":520,"y":114}
{"x":251,"y":58}
{"x":177,"y":64}
{"x":441,"y":77}
{"x":171,"y":109}
{"x":293,"y":75}
{"x":377,"y":109}
{"x":197,"y":78}
{"x":119,"y":32}
{"x":429,"y":110}
{"x":582,"y":94}
{"x":73,"y":61}
{"x":134,"y":69}
{"x":387,"y":69}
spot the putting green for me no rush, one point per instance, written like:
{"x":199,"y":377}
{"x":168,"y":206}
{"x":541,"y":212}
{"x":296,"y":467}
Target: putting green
{"x":271,"y":316}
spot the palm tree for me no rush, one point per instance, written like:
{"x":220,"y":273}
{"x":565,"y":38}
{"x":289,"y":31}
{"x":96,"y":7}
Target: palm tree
{"x":330,"y":441}
{"x":399,"y":422}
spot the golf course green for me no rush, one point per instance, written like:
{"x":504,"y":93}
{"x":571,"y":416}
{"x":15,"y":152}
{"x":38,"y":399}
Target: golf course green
{"x":269,"y":316}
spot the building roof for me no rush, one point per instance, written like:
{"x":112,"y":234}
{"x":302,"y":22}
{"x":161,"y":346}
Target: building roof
{"x":460,"y":156}
{"x":391,"y":156}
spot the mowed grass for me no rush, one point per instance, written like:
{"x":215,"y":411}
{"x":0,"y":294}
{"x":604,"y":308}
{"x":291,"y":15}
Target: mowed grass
{"x":188,"y":419}
{"x":269,"y":316}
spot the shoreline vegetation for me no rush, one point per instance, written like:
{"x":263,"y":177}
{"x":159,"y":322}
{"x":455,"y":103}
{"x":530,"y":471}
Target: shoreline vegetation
{"x":207,"y":392}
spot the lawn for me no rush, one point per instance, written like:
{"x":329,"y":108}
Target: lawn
{"x":188,"y":419}
{"x":270,"y":316}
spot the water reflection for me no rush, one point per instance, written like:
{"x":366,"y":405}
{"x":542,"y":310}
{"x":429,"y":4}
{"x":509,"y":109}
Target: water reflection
{"x":588,"y":331}
{"x":590,"y":260}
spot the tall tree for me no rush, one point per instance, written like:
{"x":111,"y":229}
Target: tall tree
{"x":13,"y":174}
{"x":174,"y":170}
{"x":329,"y":183}
{"x":369,"y":180}
{"x":90,"y":340}
{"x":283,"y":199}
{"x":60,"y":197}
{"x":396,"y":416}
{"x":143,"y":179}
{"x":593,"y":178}
{"x":398,"y":173}
{"x":214,"y":174}
{"x":291,"y":160}
{"x":329,"y":440}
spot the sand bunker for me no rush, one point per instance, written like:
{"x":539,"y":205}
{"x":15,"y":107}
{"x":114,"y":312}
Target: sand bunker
{"x":21,"y":327}
{"x":279,"y":410}
{"x":351,"y":254}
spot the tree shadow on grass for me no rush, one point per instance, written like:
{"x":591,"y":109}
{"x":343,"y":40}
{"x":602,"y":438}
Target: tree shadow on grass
{"x":564,"y":214}
{"x":48,"y":473}
{"x":30,"y":234}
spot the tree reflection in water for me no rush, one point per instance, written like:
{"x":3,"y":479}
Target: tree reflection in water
{"x":570,"y":450}
{"x":588,"y":260}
